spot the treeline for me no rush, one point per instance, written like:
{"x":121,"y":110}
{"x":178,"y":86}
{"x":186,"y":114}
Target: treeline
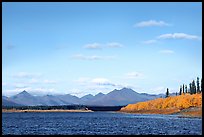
{"x":194,"y":87}
{"x":65,"y":107}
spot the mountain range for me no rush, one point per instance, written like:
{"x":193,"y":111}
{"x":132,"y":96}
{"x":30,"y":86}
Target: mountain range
{"x":116,"y":97}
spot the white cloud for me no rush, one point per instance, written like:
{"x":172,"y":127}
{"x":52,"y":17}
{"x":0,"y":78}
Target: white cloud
{"x":93,"y":46}
{"x":102,"y":81}
{"x":93,"y":57}
{"x":49,"y":81}
{"x":94,"y":81}
{"x":114,"y":45}
{"x":46,"y":90}
{"x":178,"y":36}
{"x":133,"y":75}
{"x":17,"y":85}
{"x":95,"y":85}
{"x":14,"y":91}
{"x":102,"y":46}
{"x":82,"y":80}
{"x":150,"y":23}
{"x":33,"y":91}
{"x":149,"y":41}
{"x":166,"y":51}
{"x":159,"y":89}
{"x":20,"y":85}
{"x":33,"y":81}
{"x":26,"y":75}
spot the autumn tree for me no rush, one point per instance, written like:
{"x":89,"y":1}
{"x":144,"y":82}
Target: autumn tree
{"x":167,"y":93}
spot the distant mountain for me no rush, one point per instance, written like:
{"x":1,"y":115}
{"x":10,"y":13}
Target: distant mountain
{"x":69,"y":99}
{"x":27,"y":99}
{"x":99,"y":95}
{"x":116,"y":97}
{"x":7,"y":102}
{"x":86,"y":98}
{"x":50,"y":100}
{"x":120,"y":97}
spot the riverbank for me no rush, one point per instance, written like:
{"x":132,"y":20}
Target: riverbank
{"x":183,"y":105}
{"x":52,"y":110}
{"x":194,"y":112}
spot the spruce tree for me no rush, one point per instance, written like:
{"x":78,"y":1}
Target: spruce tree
{"x":167,"y":93}
{"x":201,"y":85}
{"x":180,"y":92}
{"x":198,"y":85}
{"x":193,"y":87}
{"x":186,"y":88}
{"x":190,"y":86}
{"x":183,"y":89}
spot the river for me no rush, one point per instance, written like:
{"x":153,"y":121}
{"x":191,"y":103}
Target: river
{"x":98,"y":123}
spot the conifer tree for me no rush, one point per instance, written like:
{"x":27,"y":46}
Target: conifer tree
{"x":167,"y":93}
{"x":201,"y":85}
{"x":190,"y":85}
{"x":186,"y":88}
{"x":180,"y":92}
{"x":193,"y":87}
{"x":183,"y":88}
{"x":198,"y":85}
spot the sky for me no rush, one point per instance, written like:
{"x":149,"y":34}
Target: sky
{"x":87,"y":48}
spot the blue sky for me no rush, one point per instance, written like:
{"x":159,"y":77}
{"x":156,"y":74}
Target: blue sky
{"x":82,"y":48}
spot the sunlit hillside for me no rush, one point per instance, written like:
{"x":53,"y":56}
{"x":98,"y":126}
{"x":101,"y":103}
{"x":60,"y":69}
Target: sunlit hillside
{"x":166,"y":105}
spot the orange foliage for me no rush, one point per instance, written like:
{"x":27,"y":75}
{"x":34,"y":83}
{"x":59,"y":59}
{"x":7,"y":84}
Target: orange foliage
{"x":171,"y":103}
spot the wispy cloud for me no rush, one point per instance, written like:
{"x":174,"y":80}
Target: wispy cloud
{"x":178,"y":36}
{"x":20,"y":85}
{"x":96,"y":82}
{"x":114,"y":45}
{"x":93,"y":46}
{"x":50,"y":81}
{"x":26,"y":75}
{"x":82,"y":80}
{"x":102,"y":81}
{"x":33,"y":91}
{"x":151,"y":23}
{"x":102,"y":46}
{"x":150,"y":41}
{"x":166,"y":51}
{"x":14,"y":91}
{"x":100,"y":84}
{"x":92,"y":58}
{"x":159,"y":89}
{"x":33,"y":81}
{"x":133,"y":75}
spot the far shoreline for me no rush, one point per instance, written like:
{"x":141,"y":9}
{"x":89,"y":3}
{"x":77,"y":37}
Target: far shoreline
{"x":44,"y":111}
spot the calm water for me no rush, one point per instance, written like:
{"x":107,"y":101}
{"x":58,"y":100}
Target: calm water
{"x":96,"y":123}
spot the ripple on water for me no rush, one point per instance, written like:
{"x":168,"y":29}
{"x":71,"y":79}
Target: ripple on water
{"x":99,"y":123}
